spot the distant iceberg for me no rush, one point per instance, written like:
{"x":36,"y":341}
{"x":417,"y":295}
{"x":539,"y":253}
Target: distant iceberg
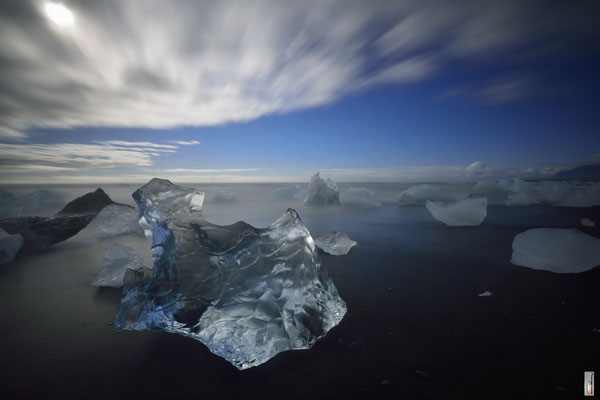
{"x":335,"y":243}
{"x":118,"y":219}
{"x":582,"y":196}
{"x":117,"y":260}
{"x":467,"y":212}
{"x":246,"y":293}
{"x":9,"y":246}
{"x":10,"y":205}
{"x":418,"y":195}
{"x":42,"y":202}
{"x":224,"y":196}
{"x":556,"y":250}
{"x":358,"y":198}
{"x":495,"y":192}
{"x":321,"y":192}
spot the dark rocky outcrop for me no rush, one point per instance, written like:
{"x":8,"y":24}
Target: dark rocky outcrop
{"x":89,"y":203}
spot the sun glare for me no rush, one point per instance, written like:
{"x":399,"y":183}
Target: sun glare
{"x":59,"y":14}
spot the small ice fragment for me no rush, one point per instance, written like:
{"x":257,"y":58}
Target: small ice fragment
{"x":117,"y":260}
{"x":117,"y":219}
{"x":487,"y":293}
{"x":556,"y":250}
{"x":418,"y":195}
{"x":224,"y":196}
{"x":321,"y":192}
{"x":285,"y":192}
{"x":335,"y":243}
{"x":9,"y":246}
{"x":587,"y":222}
{"x":467,"y":212}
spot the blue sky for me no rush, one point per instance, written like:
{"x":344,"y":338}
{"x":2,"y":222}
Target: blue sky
{"x":377,"y":97}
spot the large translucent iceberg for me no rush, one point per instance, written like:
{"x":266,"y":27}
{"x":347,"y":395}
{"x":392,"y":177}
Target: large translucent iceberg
{"x":335,"y":243}
{"x":467,"y":212}
{"x":9,"y":246}
{"x":358,"y":198}
{"x":117,"y":219}
{"x":321,"y":192}
{"x":556,"y":250}
{"x":117,"y":260}
{"x":418,"y":195}
{"x":246,"y":293}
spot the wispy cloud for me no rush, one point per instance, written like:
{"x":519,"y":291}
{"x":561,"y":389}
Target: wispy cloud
{"x":165,"y":64}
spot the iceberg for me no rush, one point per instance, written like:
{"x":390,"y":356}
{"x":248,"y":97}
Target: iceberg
{"x":467,"y":212}
{"x":495,"y":192}
{"x":582,"y":196}
{"x":285,"y":192}
{"x":10,"y":205}
{"x":224,"y":196}
{"x":89,"y":203}
{"x":40,"y":232}
{"x":556,"y":250}
{"x":587,"y":222}
{"x":335,"y":243}
{"x":117,"y":219}
{"x":321,"y":192}
{"x":117,"y":260}
{"x":42,"y":202}
{"x":358,"y":198}
{"x":418,"y":195}
{"x":246,"y":293}
{"x":9,"y":246}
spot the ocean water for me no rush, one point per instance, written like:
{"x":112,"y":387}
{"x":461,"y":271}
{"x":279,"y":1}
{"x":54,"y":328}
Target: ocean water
{"x":411,"y":287}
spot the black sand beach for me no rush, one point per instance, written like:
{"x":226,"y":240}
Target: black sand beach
{"x":411,"y":286}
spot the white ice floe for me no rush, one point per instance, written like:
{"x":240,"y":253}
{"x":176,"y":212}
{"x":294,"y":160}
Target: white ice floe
{"x":117,"y":260}
{"x":117,"y":219}
{"x":322,"y":192}
{"x":556,"y":250}
{"x":9,"y":246}
{"x":358,"y":198}
{"x":335,"y":243}
{"x":418,"y":195}
{"x":587,"y":222}
{"x":467,"y":212}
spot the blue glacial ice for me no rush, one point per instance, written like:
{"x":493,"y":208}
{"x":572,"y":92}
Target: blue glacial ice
{"x":467,"y":212}
{"x":117,"y":260}
{"x":322,"y":192}
{"x":9,"y":246}
{"x":246,"y":293}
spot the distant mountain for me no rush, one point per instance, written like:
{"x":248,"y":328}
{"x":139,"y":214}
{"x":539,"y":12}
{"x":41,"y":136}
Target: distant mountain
{"x":585,"y":172}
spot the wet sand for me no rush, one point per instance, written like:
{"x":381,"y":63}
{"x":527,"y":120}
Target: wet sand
{"x":411,"y":288}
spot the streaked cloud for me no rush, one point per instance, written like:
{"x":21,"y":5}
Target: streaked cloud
{"x":164,"y":64}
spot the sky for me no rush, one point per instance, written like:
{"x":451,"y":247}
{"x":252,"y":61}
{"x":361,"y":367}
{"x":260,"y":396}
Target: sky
{"x":271,"y":91}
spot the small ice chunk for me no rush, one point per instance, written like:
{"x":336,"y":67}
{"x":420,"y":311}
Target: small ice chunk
{"x":117,"y":260}
{"x":9,"y":246}
{"x":418,"y":195}
{"x":587,"y":222}
{"x":117,"y":219}
{"x":487,"y":293}
{"x":285,"y":192}
{"x":42,"y":202}
{"x":224,"y":196}
{"x":335,"y":243}
{"x":467,"y":212}
{"x":321,"y":192}
{"x":10,"y":205}
{"x":556,"y":250}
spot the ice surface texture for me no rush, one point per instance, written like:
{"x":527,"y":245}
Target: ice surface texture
{"x":117,"y":219}
{"x":467,"y":212}
{"x":335,"y":243}
{"x":556,"y":250}
{"x":321,"y":192}
{"x":358,"y":198}
{"x":117,"y":260}
{"x":246,"y":293}
{"x":418,"y":195}
{"x":9,"y":246}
